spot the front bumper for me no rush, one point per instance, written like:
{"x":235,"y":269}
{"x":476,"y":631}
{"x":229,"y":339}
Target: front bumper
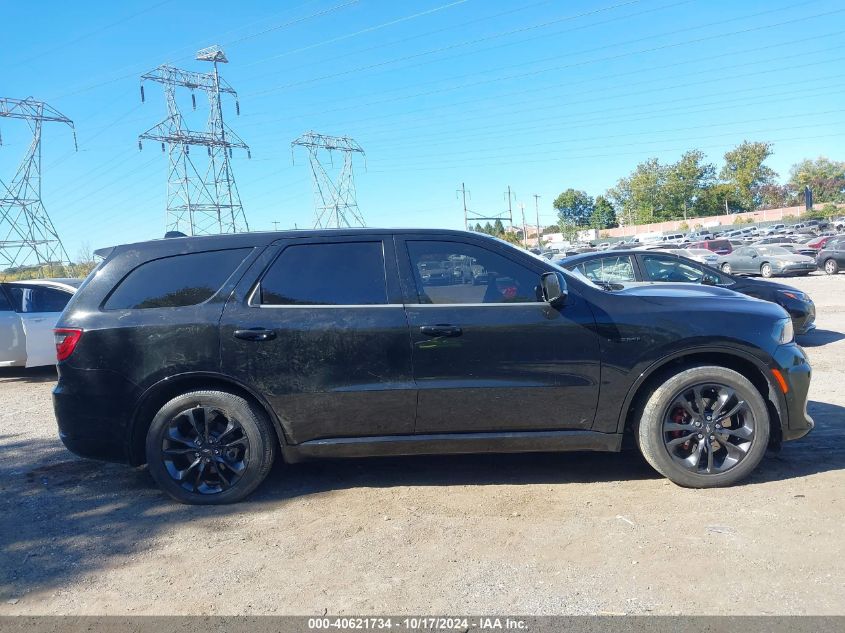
{"x":795,"y":269}
{"x":793,"y":365}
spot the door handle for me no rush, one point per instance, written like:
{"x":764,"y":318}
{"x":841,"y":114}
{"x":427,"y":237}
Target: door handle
{"x":255,"y":334}
{"x":441,"y":330}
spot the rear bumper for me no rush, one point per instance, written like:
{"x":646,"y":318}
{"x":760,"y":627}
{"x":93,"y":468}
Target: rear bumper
{"x":93,"y":412}
{"x":793,"y":365}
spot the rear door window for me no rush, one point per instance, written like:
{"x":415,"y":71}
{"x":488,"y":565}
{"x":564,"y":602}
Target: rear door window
{"x":180,"y":280}
{"x":671,"y":269}
{"x":342,"y":273}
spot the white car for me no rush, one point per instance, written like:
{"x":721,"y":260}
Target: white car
{"x":28,"y":312}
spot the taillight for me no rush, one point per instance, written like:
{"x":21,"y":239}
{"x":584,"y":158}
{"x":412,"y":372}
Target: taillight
{"x":66,"y":340}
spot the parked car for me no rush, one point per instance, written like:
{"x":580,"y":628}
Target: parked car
{"x":672,"y":237}
{"x":205,"y":357}
{"x":718,"y":246}
{"x":28,"y":312}
{"x":767,"y":261}
{"x":819,"y":243}
{"x":638,"y":266}
{"x":831,"y":258}
{"x":775,"y":228}
{"x":838,"y":223}
{"x":700,"y":235}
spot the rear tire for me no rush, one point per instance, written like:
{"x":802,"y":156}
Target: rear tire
{"x":831,"y":266}
{"x":693,"y":450}
{"x":210,"y":447}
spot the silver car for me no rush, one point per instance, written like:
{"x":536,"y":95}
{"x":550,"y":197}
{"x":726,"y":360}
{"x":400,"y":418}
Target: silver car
{"x":701,"y":255}
{"x":767,"y":261}
{"x":28,"y":312}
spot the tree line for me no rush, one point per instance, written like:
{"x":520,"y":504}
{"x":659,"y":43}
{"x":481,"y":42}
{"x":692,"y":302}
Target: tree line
{"x":692,"y":187}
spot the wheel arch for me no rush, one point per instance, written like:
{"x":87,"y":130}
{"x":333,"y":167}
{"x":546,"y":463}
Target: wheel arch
{"x":745,"y":364}
{"x":155,"y":396}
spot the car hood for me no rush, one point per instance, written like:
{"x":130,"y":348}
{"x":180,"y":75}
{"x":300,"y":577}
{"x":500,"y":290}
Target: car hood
{"x":678,"y":290}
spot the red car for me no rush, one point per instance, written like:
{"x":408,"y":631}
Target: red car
{"x":820,"y":242}
{"x":720,"y":247}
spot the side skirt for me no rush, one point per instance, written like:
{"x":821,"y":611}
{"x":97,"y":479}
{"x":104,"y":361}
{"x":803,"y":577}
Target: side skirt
{"x":454,"y":443}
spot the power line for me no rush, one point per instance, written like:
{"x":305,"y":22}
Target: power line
{"x":468,"y":43}
{"x":369,"y":29}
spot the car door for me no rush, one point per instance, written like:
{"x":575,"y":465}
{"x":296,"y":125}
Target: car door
{"x":12,"y":340}
{"x":490,"y":355}
{"x":39,"y":308}
{"x":740,"y":260}
{"x":318,"y":328}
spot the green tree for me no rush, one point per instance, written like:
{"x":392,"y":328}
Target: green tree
{"x":825,"y":177}
{"x":498,"y":228}
{"x":479,"y":228}
{"x":746,"y":172}
{"x":488,"y":228}
{"x":604,"y":215}
{"x":574,"y":208}
{"x":686,"y":181}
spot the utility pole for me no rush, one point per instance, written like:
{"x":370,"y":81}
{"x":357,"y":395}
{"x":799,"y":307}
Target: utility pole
{"x":275,"y":225}
{"x":27,"y":235}
{"x":524,"y":229}
{"x":335,"y":203}
{"x":537,"y":211}
{"x":198,"y":204}
{"x":463,"y":192}
{"x":511,"y":196}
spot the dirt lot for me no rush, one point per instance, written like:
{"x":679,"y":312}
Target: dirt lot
{"x":528,"y":534}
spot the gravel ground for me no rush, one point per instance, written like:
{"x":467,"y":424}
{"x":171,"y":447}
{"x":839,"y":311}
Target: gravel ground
{"x":527,"y":534}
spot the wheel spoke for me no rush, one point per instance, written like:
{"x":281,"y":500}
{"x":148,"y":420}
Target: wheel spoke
{"x":174,"y":435}
{"x":669,"y":427}
{"x":192,"y":418}
{"x":699,"y":399}
{"x":180,"y":475}
{"x":742,"y":432}
{"x":223,"y":479}
{"x":231,"y":425}
{"x":241,"y":441}
{"x":179,"y":451}
{"x":739,"y":406}
{"x":725,"y":395}
{"x":709,"y":446}
{"x":678,"y":441}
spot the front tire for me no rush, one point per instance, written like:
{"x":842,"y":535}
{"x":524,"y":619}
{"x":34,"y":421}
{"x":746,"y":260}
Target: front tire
{"x":705,"y":427}
{"x":726,"y":268}
{"x":210,"y":447}
{"x":766,"y":270}
{"x":831,"y":266}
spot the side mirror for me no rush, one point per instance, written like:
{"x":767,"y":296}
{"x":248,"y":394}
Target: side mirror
{"x":554,"y":289}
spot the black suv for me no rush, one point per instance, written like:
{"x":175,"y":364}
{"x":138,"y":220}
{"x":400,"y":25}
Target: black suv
{"x":205,"y":357}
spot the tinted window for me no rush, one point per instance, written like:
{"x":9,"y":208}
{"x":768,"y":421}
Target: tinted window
{"x":38,"y":298}
{"x":170,"y":282}
{"x":350,"y":273}
{"x":618,"y":269}
{"x":662,"y":268}
{"x":455,"y":272}
{"x":5,"y":306}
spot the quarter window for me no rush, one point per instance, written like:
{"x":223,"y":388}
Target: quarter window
{"x":460,"y":273}
{"x":344,"y":273}
{"x":181,"y":280}
{"x":618,"y":268}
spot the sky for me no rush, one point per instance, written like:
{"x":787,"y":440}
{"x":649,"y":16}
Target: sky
{"x":536,"y":95}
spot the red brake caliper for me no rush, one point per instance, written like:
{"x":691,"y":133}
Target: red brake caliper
{"x":679,"y":416}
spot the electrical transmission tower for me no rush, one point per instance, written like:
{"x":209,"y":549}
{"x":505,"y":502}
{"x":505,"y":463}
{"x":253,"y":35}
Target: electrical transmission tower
{"x":198,"y":203}
{"x":27,"y":235}
{"x":334,"y":199}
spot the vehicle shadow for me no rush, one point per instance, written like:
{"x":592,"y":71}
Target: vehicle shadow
{"x":817,"y":338}
{"x":62,"y":517}
{"x":28,"y":374}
